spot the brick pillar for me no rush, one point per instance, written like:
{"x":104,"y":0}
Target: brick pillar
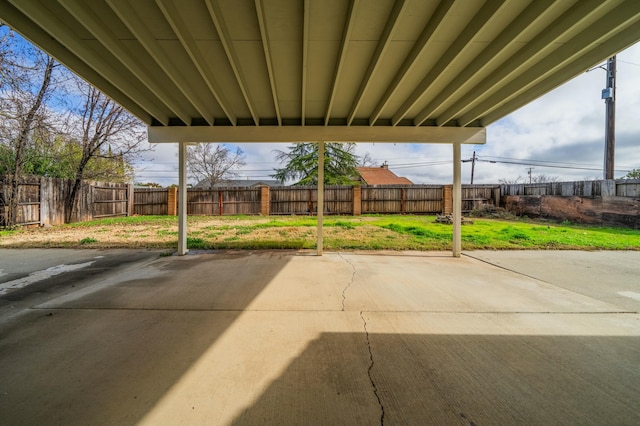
{"x":447,"y":199}
{"x":357,"y":200}
{"x":172,"y":201}
{"x":265,"y":201}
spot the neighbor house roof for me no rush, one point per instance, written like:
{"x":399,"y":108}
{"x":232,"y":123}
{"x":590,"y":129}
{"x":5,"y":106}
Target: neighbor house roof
{"x":381,"y":176}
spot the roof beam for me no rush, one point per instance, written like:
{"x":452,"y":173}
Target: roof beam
{"x":171,"y":14}
{"x":346,"y":36}
{"x":530,"y":15}
{"x":225,"y":39}
{"x":60,"y":31}
{"x":87,"y":17}
{"x":139,"y":29}
{"x":566,"y":54}
{"x":481,"y":19}
{"x":627,"y":37}
{"x":305,"y":60}
{"x":294,"y":134}
{"x":418,"y":47}
{"x":381,"y":48}
{"x":537,"y":47}
{"x":24,"y":25}
{"x":266,"y":41}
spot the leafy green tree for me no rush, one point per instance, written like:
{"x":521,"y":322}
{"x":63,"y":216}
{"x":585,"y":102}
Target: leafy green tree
{"x":301,"y":164}
{"x":633,"y":174}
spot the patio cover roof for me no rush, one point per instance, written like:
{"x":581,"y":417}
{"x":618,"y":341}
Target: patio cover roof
{"x":331,"y":70}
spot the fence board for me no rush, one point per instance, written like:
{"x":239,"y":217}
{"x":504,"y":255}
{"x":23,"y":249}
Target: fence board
{"x":150,"y":201}
{"x":109,"y":200}
{"x":402,"y":199}
{"x":293,"y":200}
{"x":628,"y":188}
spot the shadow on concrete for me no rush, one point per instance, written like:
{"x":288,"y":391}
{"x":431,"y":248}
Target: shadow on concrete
{"x":355,"y":378}
{"x":109,"y":357}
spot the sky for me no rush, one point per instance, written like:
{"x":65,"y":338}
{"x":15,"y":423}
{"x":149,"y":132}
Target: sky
{"x":564,"y":128}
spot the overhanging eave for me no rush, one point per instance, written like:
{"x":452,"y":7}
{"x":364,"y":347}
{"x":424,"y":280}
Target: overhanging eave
{"x":245,"y":134}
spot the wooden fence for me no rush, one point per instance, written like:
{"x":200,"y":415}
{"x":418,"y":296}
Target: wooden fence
{"x":41,"y":200}
{"x":596,"y":188}
{"x":301,"y":200}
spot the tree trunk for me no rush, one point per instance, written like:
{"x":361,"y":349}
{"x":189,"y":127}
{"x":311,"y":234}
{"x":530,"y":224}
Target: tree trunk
{"x":20,"y":144}
{"x":71,"y":200}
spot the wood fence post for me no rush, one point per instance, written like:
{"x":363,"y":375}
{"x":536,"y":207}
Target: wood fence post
{"x":220,"y":202}
{"x":130,"y":199}
{"x":265,"y":200}
{"x":447,"y":199}
{"x":172,"y":201}
{"x":357,"y":200}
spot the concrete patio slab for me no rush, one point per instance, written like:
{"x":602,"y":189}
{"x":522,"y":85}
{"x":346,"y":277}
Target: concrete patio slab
{"x":273,"y":337}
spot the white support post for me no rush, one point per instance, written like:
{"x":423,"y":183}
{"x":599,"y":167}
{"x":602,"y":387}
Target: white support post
{"x":182,"y":199}
{"x":320,"y":195}
{"x":457,"y":201}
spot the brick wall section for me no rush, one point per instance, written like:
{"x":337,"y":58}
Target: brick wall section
{"x":265,"y":200}
{"x":447,"y":199}
{"x":172,"y":201}
{"x":357,"y":200}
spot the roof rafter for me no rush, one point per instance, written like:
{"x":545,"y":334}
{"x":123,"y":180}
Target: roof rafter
{"x":418,"y":47}
{"x":264,"y":33}
{"x":562,"y":56}
{"x":84,"y":14}
{"x":536,"y":48}
{"x":305,"y":60}
{"x":181,"y":30}
{"x":138,"y":28}
{"x":346,"y":36}
{"x":381,"y":48}
{"x":23,"y":24}
{"x":232,"y":57}
{"x":51,"y":24}
{"x":530,"y":15}
{"x":481,"y":19}
{"x":626,"y":37}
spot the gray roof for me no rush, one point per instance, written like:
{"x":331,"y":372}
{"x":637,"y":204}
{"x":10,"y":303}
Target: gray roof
{"x":244,"y":183}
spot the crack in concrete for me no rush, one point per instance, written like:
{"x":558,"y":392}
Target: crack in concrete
{"x":371,"y":364}
{"x":353,"y":277}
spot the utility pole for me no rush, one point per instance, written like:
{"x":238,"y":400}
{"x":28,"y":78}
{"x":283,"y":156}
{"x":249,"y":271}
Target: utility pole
{"x":473,"y":164}
{"x":529,"y":173}
{"x":609,"y":96}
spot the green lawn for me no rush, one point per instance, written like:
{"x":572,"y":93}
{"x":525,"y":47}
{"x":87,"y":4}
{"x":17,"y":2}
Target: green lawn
{"x":340,"y":233}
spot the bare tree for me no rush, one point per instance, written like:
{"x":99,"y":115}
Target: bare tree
{"x":104,"y":130}
{"x":519,"y":179}
{"x":25,"y":83}
{"x":544,"y":179}
{"x":213,"y":163}
{"x":366,"y":161}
